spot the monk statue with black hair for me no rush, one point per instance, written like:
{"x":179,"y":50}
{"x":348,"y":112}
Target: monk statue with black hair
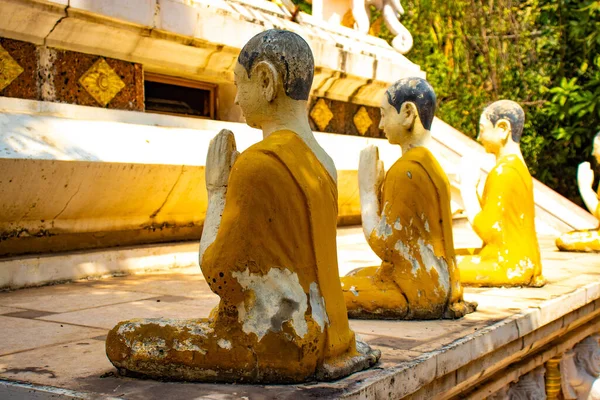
{"x":587,"y":240}
{"x":406,"y":219}
{"x":268,"y":248}
{"x":504,"y":218}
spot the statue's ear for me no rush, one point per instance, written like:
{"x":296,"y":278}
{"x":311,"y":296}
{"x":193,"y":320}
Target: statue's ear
{"x":268,"y":79}
{"x":504,"y":125}
{"x":408,"y":111}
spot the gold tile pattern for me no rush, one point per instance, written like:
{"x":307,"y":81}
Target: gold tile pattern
{"x":321,"y":114}
{"x":9,"y":68}
{"x":101,"y":82}
{"x":362,"y":121}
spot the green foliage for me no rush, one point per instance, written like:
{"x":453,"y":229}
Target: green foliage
{"x":303,"y":6}
{"x":543,"y":54}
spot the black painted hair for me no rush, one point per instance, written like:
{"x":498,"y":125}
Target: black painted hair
{"x":510,"y":110}
{"x":288,"y":53}
{"x":415,"y":90}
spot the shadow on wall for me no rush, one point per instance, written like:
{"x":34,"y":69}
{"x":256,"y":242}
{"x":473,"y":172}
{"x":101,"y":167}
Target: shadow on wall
{"x":26,"y":139}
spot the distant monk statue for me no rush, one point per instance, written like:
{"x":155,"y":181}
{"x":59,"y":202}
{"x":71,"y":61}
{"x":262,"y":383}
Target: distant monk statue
{"x":505,"y":217}
{"x":406,"y":219}
{"x":268,"y":248}
{"x":586,"y":240}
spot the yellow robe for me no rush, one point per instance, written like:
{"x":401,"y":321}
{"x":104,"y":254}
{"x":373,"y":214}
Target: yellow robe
{"x":273,"y":263}
{"x":506,"y":224}
{"x":582,"y":241}
{"x":418,"y":278}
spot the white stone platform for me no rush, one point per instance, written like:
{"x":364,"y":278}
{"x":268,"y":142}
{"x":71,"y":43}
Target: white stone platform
{"x":53,"y":336}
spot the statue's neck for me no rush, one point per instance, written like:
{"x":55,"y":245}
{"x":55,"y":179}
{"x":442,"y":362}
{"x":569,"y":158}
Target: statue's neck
{"x":291,"y":117}
{"x":299,"y":127}
{"x":510,"y":149}
{"x":421,"y":137}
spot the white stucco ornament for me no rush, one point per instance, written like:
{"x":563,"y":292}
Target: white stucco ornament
{"x":390,"y":9}
{"x":580,"y":369}
{"x":530,"y":386}
{"x":334,"y":12}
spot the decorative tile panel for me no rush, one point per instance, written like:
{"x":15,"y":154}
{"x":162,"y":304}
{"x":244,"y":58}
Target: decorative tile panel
{"x":346,"y":118}
{"x":70,"y":66}
{"x":9,"y":69}
{"x":101,"y":82}
{"x":321,"y":115}
{"x":362,"y":121}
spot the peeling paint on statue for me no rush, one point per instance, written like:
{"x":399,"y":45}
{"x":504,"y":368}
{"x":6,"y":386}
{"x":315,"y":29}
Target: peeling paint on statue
{"x":418,"y":278}
{"x":267,"y":248}
{"x":317,"y":305}
{"x":277,"y":297}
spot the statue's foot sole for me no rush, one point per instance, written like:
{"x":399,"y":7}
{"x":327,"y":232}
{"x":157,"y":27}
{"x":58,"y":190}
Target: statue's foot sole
{"x":536,"y":283}
{"x":339,"y":368}
{"x":330,"y":371}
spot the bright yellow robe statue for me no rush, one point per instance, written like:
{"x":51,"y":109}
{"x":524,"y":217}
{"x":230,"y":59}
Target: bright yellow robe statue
{"x":418,"y":277}
{"x":582,"y":241}
{"x":274,"y":265}
{"x":506,"y":224}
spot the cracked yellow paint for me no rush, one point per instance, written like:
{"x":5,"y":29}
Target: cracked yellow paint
{"x":9,"y":69}
{"x":506,"y":224}
{"x":101,"y":82}
{"x":418,"y":277}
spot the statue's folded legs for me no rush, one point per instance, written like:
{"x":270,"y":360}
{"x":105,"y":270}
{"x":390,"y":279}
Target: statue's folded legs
{"x":268,"y":247}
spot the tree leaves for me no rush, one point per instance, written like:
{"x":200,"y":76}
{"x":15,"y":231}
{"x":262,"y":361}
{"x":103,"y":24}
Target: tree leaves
{"x":542,"y":53}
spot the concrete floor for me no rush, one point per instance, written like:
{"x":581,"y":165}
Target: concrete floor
{"x":54,"y":335}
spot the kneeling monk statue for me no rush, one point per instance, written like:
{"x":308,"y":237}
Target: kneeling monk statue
{"x":406,"y":219}
{"x":585,"y":240}
{"x":505,"y":217}
{"x":268,"y":248}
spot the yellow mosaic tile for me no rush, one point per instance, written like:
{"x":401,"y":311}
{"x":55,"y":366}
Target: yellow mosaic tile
{"x":362,"y":121}
{"x":321,"y":114}
{"x":101,"y":82}
{"x":9,"y":69}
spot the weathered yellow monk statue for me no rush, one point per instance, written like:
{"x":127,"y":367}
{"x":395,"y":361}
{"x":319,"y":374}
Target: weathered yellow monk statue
{"x":268,"y":248}
{"x":406,"y":219}
{"x":585,"y":240}
{"x":504,"y":219}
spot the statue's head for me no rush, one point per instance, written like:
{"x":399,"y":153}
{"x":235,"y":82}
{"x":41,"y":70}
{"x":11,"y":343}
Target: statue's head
{"x":274,"y":65}
{"x":408,"y":104}
{"x":596,"y":148}
{"x":501,"y":122}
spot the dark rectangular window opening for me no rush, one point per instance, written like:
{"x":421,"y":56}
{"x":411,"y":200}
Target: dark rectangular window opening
{"x":178,"y":96}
